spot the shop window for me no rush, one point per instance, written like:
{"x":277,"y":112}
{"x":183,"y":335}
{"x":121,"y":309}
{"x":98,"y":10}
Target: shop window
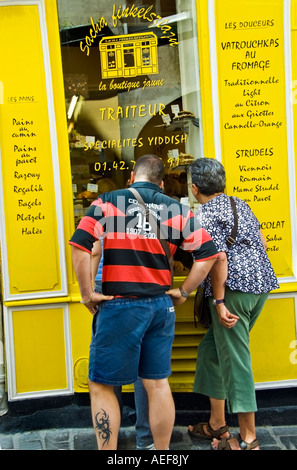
{"x":131,"y":87}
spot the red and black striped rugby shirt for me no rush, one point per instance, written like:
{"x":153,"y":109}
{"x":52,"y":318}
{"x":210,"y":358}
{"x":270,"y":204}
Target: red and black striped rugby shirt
{"x":135,"y":263}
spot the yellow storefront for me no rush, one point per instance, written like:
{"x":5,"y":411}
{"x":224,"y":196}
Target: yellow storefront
{"x":88,"y":87}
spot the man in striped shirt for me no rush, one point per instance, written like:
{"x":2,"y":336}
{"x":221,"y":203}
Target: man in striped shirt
{"x":133,"y":325}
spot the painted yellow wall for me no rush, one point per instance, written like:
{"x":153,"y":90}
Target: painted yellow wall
{"x":62,"y":134}
{"x":27,"y":169}
{"x":271,"y":340}
{"x":39,"y":349}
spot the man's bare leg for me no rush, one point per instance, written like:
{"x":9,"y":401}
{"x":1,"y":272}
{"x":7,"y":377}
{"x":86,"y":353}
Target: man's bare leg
{"x":106,"y":415}
{"x":161,"y":411}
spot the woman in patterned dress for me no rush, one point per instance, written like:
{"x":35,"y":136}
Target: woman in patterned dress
{"x":224,"y":371}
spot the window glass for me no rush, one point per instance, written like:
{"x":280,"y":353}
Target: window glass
{"x":131,"y":87}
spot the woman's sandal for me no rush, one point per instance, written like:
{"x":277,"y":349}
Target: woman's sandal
{"x":198,"y":431}
{"x":224,"y":445}
{"x":248,"y":445}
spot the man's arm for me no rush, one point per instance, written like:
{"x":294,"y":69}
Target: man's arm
{"x":81,"y":261}
{"x":95,"y":260}
{"x":82,"y":266}
{"x":197,"y":274}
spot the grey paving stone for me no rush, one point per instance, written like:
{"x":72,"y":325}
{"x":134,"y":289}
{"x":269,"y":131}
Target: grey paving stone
{"x":84,"y":440}
{"x":57,"y":440}
{"x":30,"y":441}
{"x":290,"y":442}
{"x":181,"y":440}
{"x":266,"y":438}
{"x":271,"y":447}
{"x":285,"y":430}
{"x":6,"y":443}
{"x":127,"y":439}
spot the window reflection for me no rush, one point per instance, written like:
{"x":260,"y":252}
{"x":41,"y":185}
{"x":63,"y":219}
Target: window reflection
{"x":131,"y":81}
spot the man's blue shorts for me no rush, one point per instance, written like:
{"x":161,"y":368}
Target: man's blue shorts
{"x":132,"y":337}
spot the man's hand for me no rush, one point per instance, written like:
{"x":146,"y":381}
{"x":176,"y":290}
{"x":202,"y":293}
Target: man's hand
{"x":92,"y":306}
{"x":226,"y":318}
{"x":82,"y":266}
{"x":176,"y":296}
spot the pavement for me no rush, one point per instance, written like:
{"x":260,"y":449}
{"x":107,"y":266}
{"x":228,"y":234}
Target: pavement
{"x":270,"y":438}
{"x":49,"y":425}
{"x":70,"y":428}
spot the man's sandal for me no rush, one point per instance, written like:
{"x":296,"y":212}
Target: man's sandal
{"x":224,"y":445}
{"x":198,"y":431}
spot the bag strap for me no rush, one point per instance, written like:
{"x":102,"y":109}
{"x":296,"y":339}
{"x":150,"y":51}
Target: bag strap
{"x":154,"y":225}
{"x":232,"y":237}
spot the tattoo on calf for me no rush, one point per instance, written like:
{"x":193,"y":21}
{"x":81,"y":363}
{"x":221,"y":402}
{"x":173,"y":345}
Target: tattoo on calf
{"x":102,"y":424}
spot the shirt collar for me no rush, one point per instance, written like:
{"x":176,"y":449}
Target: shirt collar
{"x":146,"y":185}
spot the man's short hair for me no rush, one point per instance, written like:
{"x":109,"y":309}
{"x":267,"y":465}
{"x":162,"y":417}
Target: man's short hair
{"x":150,"y":167}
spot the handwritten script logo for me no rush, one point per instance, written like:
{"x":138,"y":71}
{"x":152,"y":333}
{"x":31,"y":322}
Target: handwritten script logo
{"x":154,"y":19}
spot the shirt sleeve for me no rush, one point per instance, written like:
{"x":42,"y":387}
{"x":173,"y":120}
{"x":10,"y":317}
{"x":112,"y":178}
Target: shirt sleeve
{"x":89,"y":229}
{"x":198,"y":241}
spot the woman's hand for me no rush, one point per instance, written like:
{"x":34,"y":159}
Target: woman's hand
{"x":226,"y":318}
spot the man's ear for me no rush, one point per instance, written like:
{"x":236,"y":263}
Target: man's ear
{"x":132,"y":178}
{"x":161,"y":185}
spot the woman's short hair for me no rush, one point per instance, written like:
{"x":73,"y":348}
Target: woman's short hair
{"x":151,"y":167}
{"x":208,"y":175}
